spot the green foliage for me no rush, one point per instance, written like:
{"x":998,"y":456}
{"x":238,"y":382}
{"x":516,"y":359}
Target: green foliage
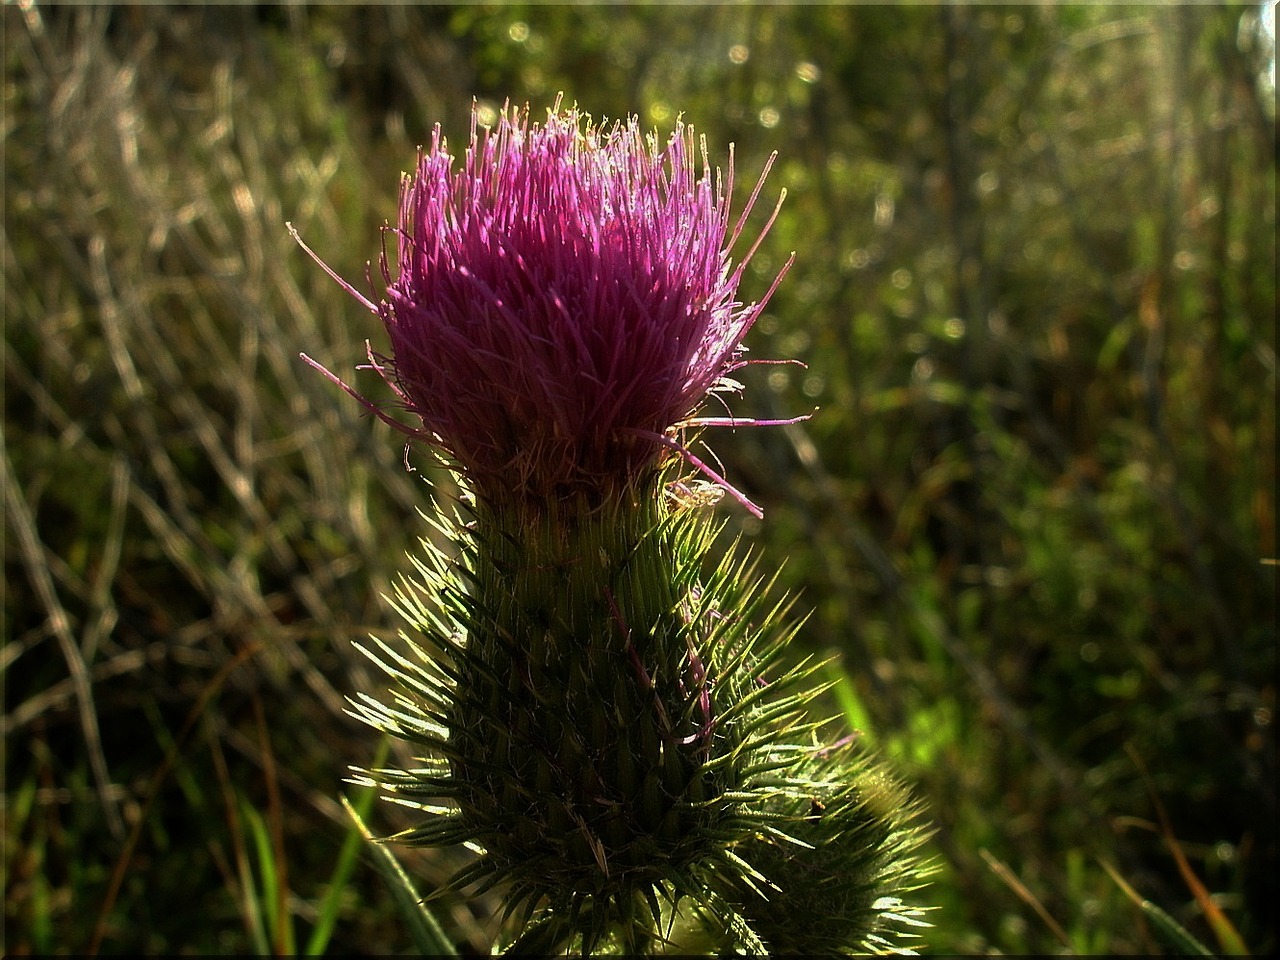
{"x":1033,"y":516}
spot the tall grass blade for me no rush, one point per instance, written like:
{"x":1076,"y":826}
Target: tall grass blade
{"x":281,"y":930}
{"x":428,"y":936}
{"x":328,"y":911}
{"x":1177,"y":936}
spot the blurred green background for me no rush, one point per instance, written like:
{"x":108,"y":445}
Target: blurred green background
{"x":1033,"y":515}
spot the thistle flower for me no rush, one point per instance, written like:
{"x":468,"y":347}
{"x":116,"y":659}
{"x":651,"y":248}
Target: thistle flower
{"x":605,"y":717}
{"x":563,"y":303}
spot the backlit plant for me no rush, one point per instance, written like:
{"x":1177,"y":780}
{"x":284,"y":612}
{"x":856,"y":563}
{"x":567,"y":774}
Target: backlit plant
{"x":606,"y":716}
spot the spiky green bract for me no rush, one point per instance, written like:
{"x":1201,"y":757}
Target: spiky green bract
{"x":840,"y":884}
{"x":605,"y":720}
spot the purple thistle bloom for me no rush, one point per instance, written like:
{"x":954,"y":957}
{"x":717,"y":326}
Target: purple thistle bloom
{"x":563,"y":304}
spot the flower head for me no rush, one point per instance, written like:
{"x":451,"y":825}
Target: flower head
{"x":563,"y":302}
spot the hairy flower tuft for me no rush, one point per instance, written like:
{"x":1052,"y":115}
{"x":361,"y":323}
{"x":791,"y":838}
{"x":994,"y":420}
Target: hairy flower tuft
{"x":563,"y":302}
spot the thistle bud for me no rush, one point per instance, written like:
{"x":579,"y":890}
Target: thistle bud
{"x":850,"y":853}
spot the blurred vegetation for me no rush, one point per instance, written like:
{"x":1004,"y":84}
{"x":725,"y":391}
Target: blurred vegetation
{"x":1034,"y":514}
